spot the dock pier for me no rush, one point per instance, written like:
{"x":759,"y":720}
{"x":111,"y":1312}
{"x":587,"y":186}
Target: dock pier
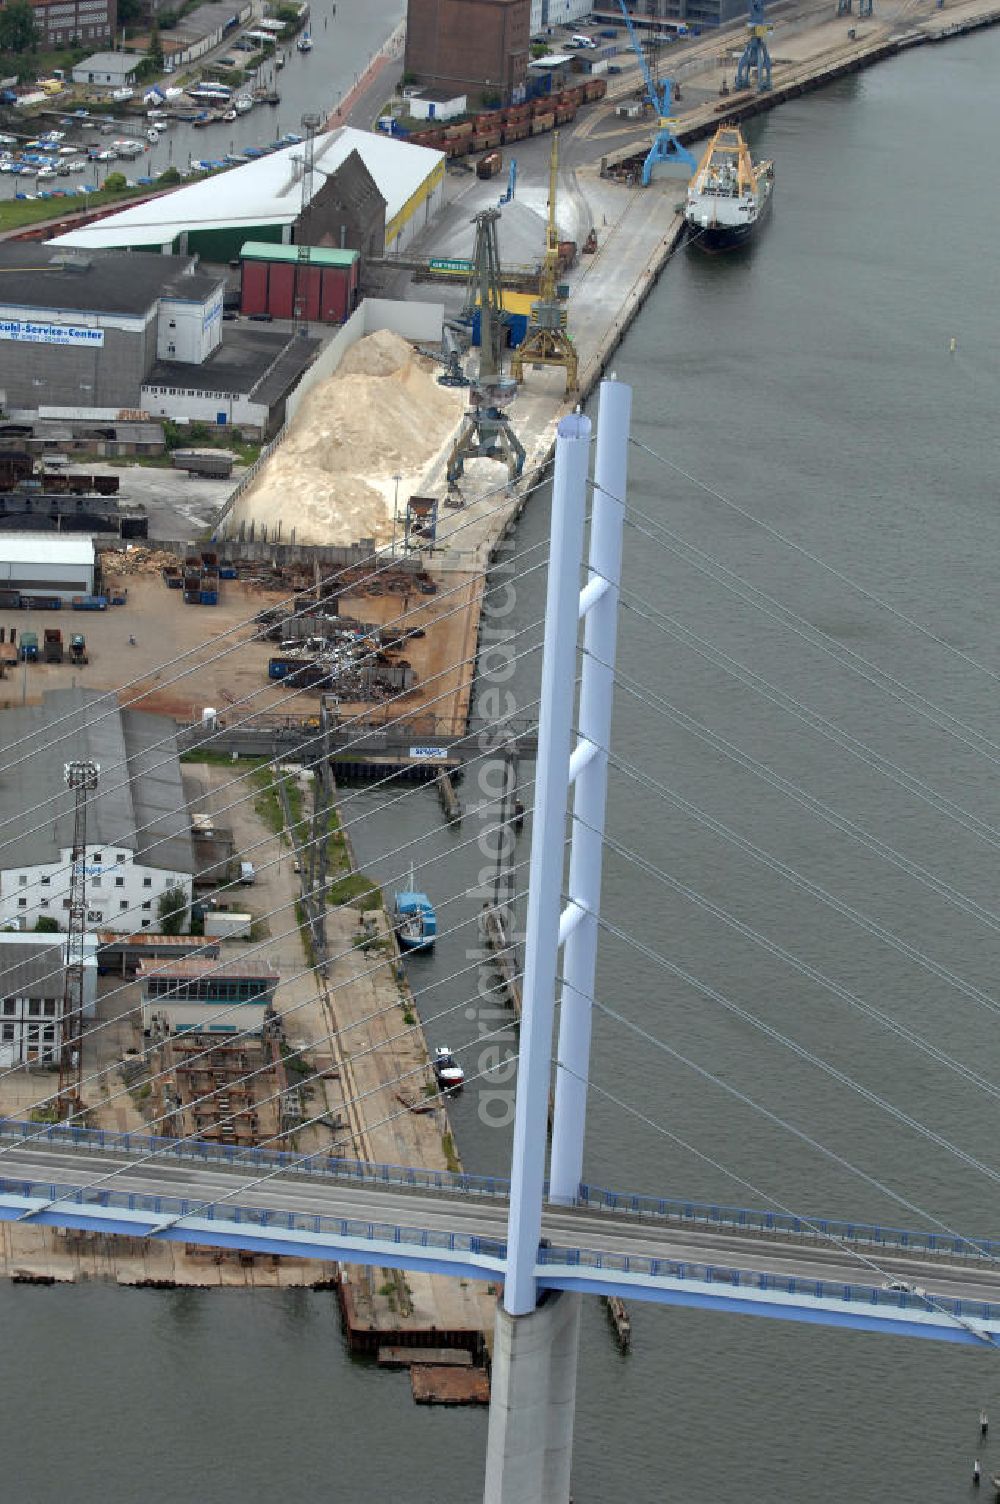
{"x":620,"y":1320}
{"x":503,"y":956}
{"x":450,"y":802}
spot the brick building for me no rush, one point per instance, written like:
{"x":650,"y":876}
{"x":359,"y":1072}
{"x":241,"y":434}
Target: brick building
{"x":83,"y":22}
{"x":478,"y":47}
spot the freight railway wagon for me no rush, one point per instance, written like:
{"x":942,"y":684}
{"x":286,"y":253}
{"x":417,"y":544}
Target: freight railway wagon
{"x":496,"y":128}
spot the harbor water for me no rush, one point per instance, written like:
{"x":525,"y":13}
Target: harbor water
{"x":838,"y":383}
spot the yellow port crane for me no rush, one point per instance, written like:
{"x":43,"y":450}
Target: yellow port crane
{"x":547,"y":342}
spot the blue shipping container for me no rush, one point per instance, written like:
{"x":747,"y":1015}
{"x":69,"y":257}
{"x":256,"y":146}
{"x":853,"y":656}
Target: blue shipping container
{"x":517,"y":324}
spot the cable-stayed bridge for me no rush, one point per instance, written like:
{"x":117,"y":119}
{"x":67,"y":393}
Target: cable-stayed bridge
{"x":545,"y":1236}
{"x":669,"y":1251}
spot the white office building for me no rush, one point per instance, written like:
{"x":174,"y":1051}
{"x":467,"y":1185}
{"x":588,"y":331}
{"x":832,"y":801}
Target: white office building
{"x":138,"y":831}
{"x":32,"y":977}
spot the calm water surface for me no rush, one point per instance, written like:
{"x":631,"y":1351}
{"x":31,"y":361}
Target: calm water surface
{"x":812,"y":383}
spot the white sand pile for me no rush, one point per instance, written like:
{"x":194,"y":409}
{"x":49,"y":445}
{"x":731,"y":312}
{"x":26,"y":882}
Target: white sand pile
{"x":382,"y":413}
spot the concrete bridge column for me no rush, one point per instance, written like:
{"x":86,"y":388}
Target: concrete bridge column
{"x":529,"y":1452}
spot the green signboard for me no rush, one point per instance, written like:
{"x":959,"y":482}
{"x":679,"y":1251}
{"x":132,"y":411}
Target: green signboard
{"x":444,"y":265}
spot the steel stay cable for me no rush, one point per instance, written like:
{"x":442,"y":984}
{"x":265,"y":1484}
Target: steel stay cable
{"x":747,"y":932}
{"x":864,"y":1260}
{"x":299,"y":1051}
{"x":789,"y":1127}
{"x":839,"y":652}
{"x":719,"y":743}
{"x":243,"y":778}
{"x":250,"y":1034}
{"x":112,"y":696}
{"x":169,"y":741}
{"x":225,"y":1012}
{"x":325,"y":1150}
{"x":387,"y":565}
{"x":815,"y":559}
{"x":268,"y":941}
{"x":798,"y":795}
{"x":305,"y":845}
{"x":798,"y":880}
{"x":817,"y":722}
{"x":252,"y":1185}
{"x":776,"y":1035}
{"x":748,"y":1185}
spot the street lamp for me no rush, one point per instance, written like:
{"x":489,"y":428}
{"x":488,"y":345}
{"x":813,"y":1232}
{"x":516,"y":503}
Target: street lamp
{"x":395,"y":512}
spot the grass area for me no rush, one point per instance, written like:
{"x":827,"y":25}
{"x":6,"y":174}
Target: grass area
{"x":15,"y":214}
{"x":207,"y":436}
{"x":221,"y":759}
{"x":267,"y":804}
{"x":305,"y":931}
{"x":356,"y":889}
{"x":268,"y":801}
{"x":451,"y":1158}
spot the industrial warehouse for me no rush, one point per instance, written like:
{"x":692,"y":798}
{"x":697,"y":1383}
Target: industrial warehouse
{"x":35,"y":565}
{"x":273,"y":199}
{"x":89,"y":327}
{"x":138,"y":834}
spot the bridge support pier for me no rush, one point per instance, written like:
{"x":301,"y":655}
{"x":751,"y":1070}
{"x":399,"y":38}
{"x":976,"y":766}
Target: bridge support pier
{"x":529,"y":1452}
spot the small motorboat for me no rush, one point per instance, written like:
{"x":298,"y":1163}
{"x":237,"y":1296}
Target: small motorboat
{"x":447,"y":1071}
{"x":415,"y":920}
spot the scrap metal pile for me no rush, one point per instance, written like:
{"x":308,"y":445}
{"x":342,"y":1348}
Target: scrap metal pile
{"x":353,"y":660}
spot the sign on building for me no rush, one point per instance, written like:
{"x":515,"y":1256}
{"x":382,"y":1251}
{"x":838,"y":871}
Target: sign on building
{"x":27,"y":332}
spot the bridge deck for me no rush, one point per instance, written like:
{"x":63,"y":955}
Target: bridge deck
{"x":599,"y":1251}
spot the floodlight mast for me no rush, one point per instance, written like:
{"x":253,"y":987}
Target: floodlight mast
{"x":82,"y":777}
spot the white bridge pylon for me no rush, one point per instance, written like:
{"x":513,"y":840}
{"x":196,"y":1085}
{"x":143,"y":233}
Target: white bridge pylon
{"x":529,"y":1453}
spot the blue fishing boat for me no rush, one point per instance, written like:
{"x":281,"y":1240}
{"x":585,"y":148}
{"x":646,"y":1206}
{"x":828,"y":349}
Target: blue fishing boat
{"x":415,"y":919}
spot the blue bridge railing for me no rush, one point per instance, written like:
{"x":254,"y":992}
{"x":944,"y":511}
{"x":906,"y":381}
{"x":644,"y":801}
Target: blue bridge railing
{"x":564,"y":1262}
{"x":676,"y":1210}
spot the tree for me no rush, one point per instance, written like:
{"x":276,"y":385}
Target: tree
{"x":155,"y":53}
{"x":115,"y":181}
{"x":171,"y":910}
{"x":46,"y":925}
{"x":17,"y":27}
{"x":168,"y":177}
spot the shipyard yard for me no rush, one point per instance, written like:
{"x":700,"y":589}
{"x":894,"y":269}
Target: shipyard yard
{"x":337,"y":619}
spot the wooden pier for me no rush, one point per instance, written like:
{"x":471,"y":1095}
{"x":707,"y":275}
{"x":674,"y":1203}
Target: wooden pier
{"x":620,"y":1320}
{"x":450,"y":802}
{"x":503,"y":956}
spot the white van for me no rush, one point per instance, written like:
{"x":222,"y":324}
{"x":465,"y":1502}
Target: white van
{"x":579,"y":40}
{"x":247,"y":875}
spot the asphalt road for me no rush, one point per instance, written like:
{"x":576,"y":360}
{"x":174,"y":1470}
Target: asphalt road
{"x":580,"y":1228}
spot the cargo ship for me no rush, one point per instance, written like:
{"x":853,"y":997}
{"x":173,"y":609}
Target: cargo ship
{"x":729,"y":195}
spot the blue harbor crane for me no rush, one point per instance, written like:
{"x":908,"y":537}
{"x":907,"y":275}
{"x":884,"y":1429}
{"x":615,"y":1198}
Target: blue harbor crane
{"x":756,"y":60}
{"x":665,"y":147}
